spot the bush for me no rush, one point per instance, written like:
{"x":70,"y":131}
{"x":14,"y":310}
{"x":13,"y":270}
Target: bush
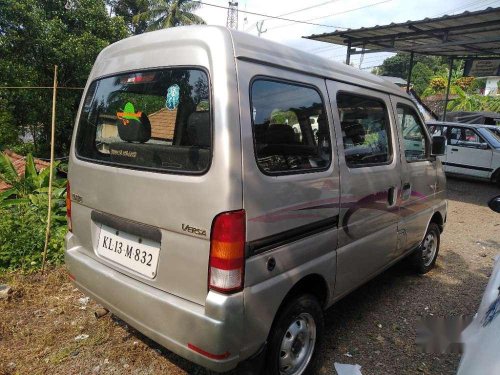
{"x":22,"y":237}
{"x":23,"y":215}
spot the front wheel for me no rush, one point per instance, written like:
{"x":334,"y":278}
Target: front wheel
{"x":295,"y":336}
{"x":424,"y":258}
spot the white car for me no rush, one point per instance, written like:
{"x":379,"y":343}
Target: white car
{"x":471,"y":150}
{"x":495,"y":129}
{"x":481,"y":339}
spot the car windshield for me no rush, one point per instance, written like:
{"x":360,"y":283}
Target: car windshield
{"x":155,"y":120}
{"x":491,"y":136}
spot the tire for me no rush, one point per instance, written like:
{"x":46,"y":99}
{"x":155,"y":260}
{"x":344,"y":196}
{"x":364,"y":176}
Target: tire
{"x":424,"y":258}
{"x":495,"y":177}
{"x":296,"y":334}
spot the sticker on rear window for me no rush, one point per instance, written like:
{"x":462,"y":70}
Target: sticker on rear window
{"x":173,"y":94}
{"x":128,"y":114}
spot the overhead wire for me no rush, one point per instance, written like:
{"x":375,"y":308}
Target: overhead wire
{"x":308,"y":8}
{"x":296,"y":11}
{"x":465,"y":6}
{"x":335,"y":14}
{"x":273,"y":17}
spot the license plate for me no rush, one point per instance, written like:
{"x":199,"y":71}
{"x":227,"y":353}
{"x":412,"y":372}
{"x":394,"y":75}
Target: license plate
{"x":138,"y":254}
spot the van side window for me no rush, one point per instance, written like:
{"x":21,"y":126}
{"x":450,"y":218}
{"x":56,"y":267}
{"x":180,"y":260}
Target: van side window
{"x":290,"y":128}
{"x":365,"y":130}
{"x":414,"y":139}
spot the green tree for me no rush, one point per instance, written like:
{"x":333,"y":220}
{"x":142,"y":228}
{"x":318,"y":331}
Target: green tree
{"x":424,"y":67}
{"x":471,"y":102}
{"x":170,"y":13}
{"x":9,"y":133}
{"x":128,"y":9}
{"x":397,"y":65}
{"x":421,"y":76}
{"x":35,"y":35}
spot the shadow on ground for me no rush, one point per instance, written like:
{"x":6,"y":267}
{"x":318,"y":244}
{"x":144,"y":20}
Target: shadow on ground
{"x":471,"y":191}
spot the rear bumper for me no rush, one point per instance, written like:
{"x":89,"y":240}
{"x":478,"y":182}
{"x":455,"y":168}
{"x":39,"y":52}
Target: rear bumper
{"x":171,"y":321}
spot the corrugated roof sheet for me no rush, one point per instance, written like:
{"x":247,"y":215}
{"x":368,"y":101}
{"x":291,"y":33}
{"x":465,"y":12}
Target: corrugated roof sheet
{"x":465,"y":34}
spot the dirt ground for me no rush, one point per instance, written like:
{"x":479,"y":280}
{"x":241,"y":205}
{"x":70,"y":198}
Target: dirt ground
{"x":48,"y":327}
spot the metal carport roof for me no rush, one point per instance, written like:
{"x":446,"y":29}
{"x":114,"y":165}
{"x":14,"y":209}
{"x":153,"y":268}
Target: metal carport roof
{"x":465,"y":35}
{"x":469,"y":34}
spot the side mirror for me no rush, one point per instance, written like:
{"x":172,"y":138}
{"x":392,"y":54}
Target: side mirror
{"x":438,"y":145}
{"x":483,"y":146}
{"x":494,"y":204}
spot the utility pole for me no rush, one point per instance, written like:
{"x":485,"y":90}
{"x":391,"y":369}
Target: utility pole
{"x":232,"y":15}
{"x":260,"y":26}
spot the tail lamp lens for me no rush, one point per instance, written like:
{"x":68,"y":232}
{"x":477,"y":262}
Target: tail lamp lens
{"x":68,"y":207}
{"x":227,"y":252}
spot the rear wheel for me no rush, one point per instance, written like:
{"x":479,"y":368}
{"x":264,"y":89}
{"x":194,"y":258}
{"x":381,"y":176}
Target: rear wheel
{"x":295,"y":336}
{"x":425,"y":256}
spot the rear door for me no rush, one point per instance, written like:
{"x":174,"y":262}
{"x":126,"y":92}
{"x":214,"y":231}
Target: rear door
{"x":150,"y":170}
{"x":467,"y":153}
{"x":418,"y":174}
{"x":370,"y":175}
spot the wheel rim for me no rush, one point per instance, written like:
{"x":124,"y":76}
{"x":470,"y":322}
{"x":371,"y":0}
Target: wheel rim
{"x":429,"y":248}
{"x":297,"y":345}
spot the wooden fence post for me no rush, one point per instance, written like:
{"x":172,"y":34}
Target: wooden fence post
{"x":51,"y":172}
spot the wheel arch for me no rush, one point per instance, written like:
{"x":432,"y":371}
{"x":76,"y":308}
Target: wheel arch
{"x":437,"y":218}
{"x":495,"y":176}
{"x":314,"y":284}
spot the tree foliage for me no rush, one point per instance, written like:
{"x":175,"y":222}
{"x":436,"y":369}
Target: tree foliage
{"x":430,"y":77}
{"x":27,"y":187}
{"x":35,"y":35}
{"x":424,"y":67}
{"x":128,"y":9}
{"x":170,"y":13}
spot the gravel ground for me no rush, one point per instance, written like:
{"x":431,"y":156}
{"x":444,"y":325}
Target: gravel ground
{"x":44,"y":325}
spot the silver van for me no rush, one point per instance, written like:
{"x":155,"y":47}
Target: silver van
{"x":225,"y":190}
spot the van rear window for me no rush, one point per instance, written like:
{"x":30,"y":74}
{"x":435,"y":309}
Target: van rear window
{"x":155,"y":120}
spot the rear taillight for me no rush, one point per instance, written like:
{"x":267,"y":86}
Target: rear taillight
{"x":227,"y":252}
{"x":68,"y":207}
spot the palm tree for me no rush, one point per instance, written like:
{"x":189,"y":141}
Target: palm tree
{"x":170,"y":13}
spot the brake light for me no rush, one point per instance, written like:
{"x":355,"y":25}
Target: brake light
{"x":227,"y":252}
{"x":68,"y":207}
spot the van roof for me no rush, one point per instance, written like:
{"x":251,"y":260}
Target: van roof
{"x":251,"y":48}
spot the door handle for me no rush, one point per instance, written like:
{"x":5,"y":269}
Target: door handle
{"x":454,"y":149}
{"x":391,"y":196}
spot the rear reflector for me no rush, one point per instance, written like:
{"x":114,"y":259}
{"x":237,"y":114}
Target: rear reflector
{"x":68,"y":207}
{"x":227,"y":252}
{"x":207,"y":354}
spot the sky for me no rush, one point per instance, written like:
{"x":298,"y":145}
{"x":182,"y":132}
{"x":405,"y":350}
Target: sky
{"x":333,"y":15}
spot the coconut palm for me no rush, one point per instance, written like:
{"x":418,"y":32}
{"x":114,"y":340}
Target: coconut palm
{"x":170,"y":13}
